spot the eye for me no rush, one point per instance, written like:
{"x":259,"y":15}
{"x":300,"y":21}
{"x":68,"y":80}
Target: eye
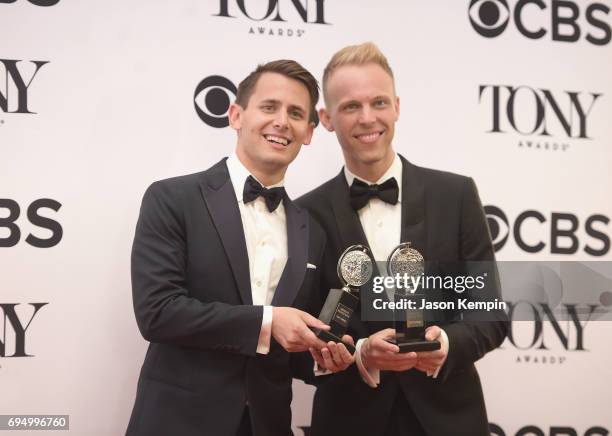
{"x":296,"y":114}
{"x":489,"y":17}
{"x":351,"y":107}
{"x":212,"y":98}
{"x":380,"y":103}
{"x":498,"y":226}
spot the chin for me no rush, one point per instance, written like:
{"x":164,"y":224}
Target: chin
{"x":371,"y":156}
{"x":274,"y":160}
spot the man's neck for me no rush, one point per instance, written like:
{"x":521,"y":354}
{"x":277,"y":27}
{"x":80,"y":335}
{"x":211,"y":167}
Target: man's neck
{"x":371,"y":172}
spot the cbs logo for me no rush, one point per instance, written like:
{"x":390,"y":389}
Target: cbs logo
{"x":561,"y":232}
{"x":212,"y":98}
{"x":491,"y":17}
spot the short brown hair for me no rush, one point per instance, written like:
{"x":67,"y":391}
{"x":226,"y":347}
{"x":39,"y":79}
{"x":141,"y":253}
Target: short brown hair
{"x":360,"y":54}
{"x":287,"y":68}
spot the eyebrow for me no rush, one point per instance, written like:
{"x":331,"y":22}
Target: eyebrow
{"x":377,"y":97}
{"x":344,"y":103}
{"x":270,"y":101}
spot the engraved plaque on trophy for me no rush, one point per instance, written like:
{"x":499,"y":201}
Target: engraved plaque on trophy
{"x":410,"y":322}
{"x":355,"y":268}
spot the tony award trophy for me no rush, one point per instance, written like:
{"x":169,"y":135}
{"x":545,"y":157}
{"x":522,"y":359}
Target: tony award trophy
{"x":409,"y":322}
{"x":355,"y":268}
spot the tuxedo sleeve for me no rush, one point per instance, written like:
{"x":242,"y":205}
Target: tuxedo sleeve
{"x":472,"y":337}
{"x":165,"y":311}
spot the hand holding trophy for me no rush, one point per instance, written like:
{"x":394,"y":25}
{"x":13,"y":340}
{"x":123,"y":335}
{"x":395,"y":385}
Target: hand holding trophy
{"x":355,"y":268}
{"x":409,"y":323}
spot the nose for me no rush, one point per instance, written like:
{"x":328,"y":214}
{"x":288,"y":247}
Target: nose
{"x":366,"y":116}
{"x":281,"y":119}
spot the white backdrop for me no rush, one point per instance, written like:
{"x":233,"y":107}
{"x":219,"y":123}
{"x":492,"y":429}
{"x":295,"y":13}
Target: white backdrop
{"x":113,"y":110}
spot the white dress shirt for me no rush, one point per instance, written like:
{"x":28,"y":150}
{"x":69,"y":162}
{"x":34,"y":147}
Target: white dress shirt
{"x":382,"y":224}
{"x":265,"y":233}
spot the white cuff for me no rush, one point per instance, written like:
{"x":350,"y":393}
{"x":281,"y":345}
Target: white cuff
{"x":318,"y":370}
{"x":443,"y":346}
{"x":263,"y":344}
{"x":370,"y":376}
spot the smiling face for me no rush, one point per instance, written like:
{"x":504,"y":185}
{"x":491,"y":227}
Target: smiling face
{"x":273,"y":126}
{"x":361,"y":107}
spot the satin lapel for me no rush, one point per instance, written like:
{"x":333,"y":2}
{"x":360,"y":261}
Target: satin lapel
{"x":413,"y":208}
{"x":297,"y":249}
{"x":220,"y":199}
{"x":347,"y":220}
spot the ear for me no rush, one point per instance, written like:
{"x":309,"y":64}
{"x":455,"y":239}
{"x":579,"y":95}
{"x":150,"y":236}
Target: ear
{"x":235,"y":116}
{"x":309,"y":133}
{"x":325,"y":119}
{"x":397,"y":107}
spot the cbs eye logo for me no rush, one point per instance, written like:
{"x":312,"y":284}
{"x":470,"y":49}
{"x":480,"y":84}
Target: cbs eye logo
{"x":499,"y":226}
{"x":212,"y":99}
{"x":489,"y":17}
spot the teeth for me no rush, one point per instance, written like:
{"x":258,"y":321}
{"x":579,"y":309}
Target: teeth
{"x":277,"y":139}
{"x":369,"y":137}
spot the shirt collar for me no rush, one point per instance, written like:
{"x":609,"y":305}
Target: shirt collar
{"x":238,"y":174}
{"x":395,"y":170}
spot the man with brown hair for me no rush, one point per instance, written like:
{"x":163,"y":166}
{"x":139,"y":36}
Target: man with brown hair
{"x":380,"y":199}
{"x":223,"y":265}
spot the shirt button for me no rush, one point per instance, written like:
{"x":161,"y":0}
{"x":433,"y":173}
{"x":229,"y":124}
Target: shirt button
{"x":258,"y":283}
{"x":379,"y":223}
{"x":262,"y":244}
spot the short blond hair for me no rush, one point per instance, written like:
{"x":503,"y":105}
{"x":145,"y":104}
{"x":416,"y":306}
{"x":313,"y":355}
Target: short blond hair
{"x":359,"y":54}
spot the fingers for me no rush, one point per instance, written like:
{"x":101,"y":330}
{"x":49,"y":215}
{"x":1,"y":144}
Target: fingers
{"x":348,"y":339}
{"x":329,"y":360}
{"x":316,"y":355}
{"x":429,"y":369}
{"x":399,"y":365}
{"x":290,"y":329}
{"x":340,"y":354}
{"x":309,"y":339}
{"x":379,"y":344}
{"x":336,"y":357}
{"x":311,"y":321}
{"x":434,"y":358}
{"x":385,"y":334}
{"x":325,"y":360}
{"x":432,"y":333}
{"x":378,"y":341}
{"x":333,"y":357}
{"x":430,"y":361}
{"x":393,"y":362}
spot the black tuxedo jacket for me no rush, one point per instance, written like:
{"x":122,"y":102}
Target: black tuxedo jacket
{"x":443,"y":219}
{"x":192,"y":300}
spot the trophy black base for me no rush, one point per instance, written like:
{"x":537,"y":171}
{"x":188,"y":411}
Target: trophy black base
{"x":416,"y":345}
{"x":336,"y":313}
{"x":327,"y":336}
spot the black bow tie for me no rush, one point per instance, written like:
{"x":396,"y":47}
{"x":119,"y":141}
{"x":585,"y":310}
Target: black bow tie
{"x":253,"y":189}
{"x":361,"y":192}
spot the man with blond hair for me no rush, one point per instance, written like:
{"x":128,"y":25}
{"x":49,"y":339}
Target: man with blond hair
{"x":389,"y":393}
